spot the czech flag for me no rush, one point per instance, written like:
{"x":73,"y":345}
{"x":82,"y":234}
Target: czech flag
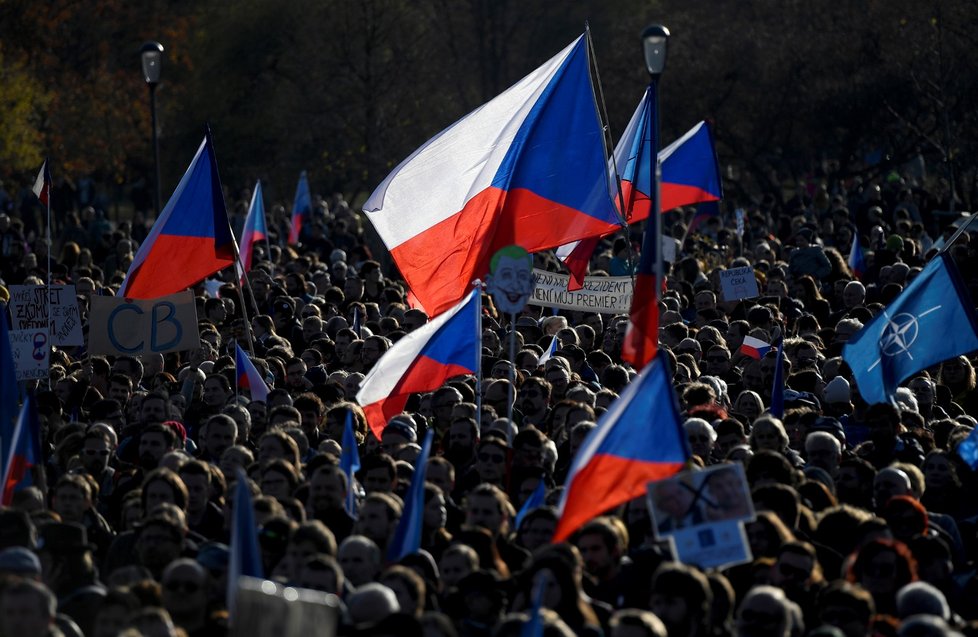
{"x":690,"y":175}
{"x":407,"y":535}
{"x":704,"y":211}
{"x":25,"y":452}
{"x":639,"y":439}
{"x":527,"y":168}
{"x":255,"y":230}
{"x":42,"y":184}
{"x":754,"y":347}
{"x":248,"y":375}
{"x":857,"y":260}
{"x":192,"y":238}
{"x":447,"y":346}
{"x":301,"y":207}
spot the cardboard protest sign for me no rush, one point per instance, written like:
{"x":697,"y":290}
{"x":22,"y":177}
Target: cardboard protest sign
{"x":738,"y":283}
{"x":143,"y":326}
{"x":702,"y":513}
{"x":510,"y":280}
{"x":603,"y":294}
{"x":266,"y":608}
{"x":31,"y":351}
{"x":29,"y":311}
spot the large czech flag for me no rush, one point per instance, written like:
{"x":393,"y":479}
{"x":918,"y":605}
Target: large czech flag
{"x":192,"y":238}
{"x":690,"y":175}
{"x":527,"y":168}
{"x":422,"y":361}
{"x":639,"y":439}
{"x":255,"y":230}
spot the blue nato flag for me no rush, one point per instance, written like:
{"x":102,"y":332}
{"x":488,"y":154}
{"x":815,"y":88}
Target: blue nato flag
{"x":932,"y":320}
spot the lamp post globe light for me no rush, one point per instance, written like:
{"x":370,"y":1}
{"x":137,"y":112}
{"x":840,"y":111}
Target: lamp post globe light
{"x":151,"y":56}
{"x":655,"y":42}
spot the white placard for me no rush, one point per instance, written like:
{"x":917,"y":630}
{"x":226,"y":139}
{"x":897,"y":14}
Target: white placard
{"x":29,"y":311}
{"x":143,"y":326}
{"x":602,"y":294}
{"x":31,"y":353}
{"x":738,"y":283}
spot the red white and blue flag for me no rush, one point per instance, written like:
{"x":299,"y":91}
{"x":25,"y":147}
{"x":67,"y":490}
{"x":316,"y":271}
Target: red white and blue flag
{"x":755,"y":347}
{"x":192,"y":238}
{"x":527,"y":168}
{"x":248,"y":375}
{"x":301,"y":207}
{"x":549,"y":352}
{"x":25,"y":452}
{"x":639,"y":439}
{"x":690,"y":175}
{"x":255,"y":230}
{"x":445,"y":347}
{"x":42,"y":184}
{"x":857,"y":260}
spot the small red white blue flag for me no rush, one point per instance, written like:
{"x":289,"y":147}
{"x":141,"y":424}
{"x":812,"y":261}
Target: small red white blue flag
{"x":857,"y":260}
{"x":755,"y":347}
{"x":549,"y":352}
{"x":639,"y":439}
{"x":42,"y":184}
{"x":445,"y":347}
{"x":248,"y":375}
{"x":25,"y":452}
{"x":192,"y":238}
{"x":301,"y":207}
{"x":255,"y":230}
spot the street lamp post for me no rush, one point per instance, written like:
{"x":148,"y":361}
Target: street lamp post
{"x":151,"y":55}
{"x":655,"y":40}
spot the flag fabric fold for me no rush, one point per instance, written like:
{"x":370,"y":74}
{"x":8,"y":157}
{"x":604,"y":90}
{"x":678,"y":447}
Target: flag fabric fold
{"x":248,"y":376}
{"x":9,"y":393}
{"x":549,"y":352}
{"x":423,"y":360}
{"x":42,"y":184}
{"x":857,"y":260}
{"x":245,"y":559}
{"x":537,"y":499}
{"x":690,"y":175}
{"x":25,"y":452}
{"x":350,"y":464}
{"x":407,"y":535}
{"x":968,"y":449}
{"x":190,"y":240}
{"x":639,"y":439}
{"x":255,"y":230}
{"x":527,"y":168}
{"x":301,"y":207}
{"x":932,"y":320}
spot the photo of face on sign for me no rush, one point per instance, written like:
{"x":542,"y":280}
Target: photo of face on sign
{"x":511,"y":280}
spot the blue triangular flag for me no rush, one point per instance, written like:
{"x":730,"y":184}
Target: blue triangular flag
{"x":245,"y":557}
{"x":350,"y":464}
{"x":407,"y":536}
{"x":536,"y":499}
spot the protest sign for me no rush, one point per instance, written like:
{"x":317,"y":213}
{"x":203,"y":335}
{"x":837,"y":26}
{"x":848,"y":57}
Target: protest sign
{"x":606,"y":295}
{"x":738,"y":283}
{"x":142,"y":326}
{"x":29,"y":311}
{"x":266,"y":608}
{"x":31,"y":352}
{"x":702,"y":513}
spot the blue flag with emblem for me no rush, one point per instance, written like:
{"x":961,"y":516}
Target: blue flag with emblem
{"x":932,"y":320}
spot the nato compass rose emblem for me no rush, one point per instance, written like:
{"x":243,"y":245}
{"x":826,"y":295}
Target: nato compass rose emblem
{"x":899,"y":334}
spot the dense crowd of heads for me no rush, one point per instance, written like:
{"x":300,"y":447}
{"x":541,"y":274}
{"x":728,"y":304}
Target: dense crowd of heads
{"x":863,"y":522}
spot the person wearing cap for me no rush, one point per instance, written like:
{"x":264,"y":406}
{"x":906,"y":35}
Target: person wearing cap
{"x":21,"y":562}
{"x":68,"y":569}
{"x":397,"y":434}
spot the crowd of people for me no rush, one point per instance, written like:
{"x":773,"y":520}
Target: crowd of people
{"x":863,"y":525}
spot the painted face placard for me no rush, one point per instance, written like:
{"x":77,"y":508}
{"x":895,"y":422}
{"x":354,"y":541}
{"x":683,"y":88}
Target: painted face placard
{"x":511,"y":279}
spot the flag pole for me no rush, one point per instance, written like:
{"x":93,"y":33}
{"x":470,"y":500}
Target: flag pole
{"x":510,"y":395}
{"x":478,"y":361}
{"x":964,"y":226}
{"x":47,"y":186}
